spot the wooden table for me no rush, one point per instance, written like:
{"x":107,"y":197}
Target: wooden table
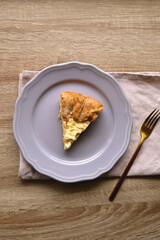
{"x":115,"y":36}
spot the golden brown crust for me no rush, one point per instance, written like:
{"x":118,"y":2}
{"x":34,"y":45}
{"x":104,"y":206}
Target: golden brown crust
{"x":80,"y":107}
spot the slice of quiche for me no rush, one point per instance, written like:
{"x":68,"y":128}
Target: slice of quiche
{"x":77,"y":111}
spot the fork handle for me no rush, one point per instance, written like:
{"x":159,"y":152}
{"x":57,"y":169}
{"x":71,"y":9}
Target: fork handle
{"x":126,"y":170}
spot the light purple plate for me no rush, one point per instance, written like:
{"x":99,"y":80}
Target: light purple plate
{"x":38,"y":130}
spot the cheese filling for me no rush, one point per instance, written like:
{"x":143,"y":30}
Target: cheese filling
{"x":71,"y":131}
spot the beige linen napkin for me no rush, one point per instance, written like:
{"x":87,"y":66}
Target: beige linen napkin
{"x":143,"y":92}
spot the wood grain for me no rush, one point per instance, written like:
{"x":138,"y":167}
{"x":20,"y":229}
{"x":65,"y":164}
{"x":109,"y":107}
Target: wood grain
{"x":115,"y":36}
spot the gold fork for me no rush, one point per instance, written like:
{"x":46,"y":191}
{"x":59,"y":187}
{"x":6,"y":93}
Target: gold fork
{"x":146,"y":129}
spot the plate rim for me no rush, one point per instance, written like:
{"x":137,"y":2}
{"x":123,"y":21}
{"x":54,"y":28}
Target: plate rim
{"x":80,"y":65}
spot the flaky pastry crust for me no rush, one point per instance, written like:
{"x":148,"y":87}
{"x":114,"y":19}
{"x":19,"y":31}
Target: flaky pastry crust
{"x":80,"y":107}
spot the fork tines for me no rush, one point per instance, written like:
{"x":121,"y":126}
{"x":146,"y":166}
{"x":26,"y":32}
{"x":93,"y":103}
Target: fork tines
{"x":153,"y":118}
